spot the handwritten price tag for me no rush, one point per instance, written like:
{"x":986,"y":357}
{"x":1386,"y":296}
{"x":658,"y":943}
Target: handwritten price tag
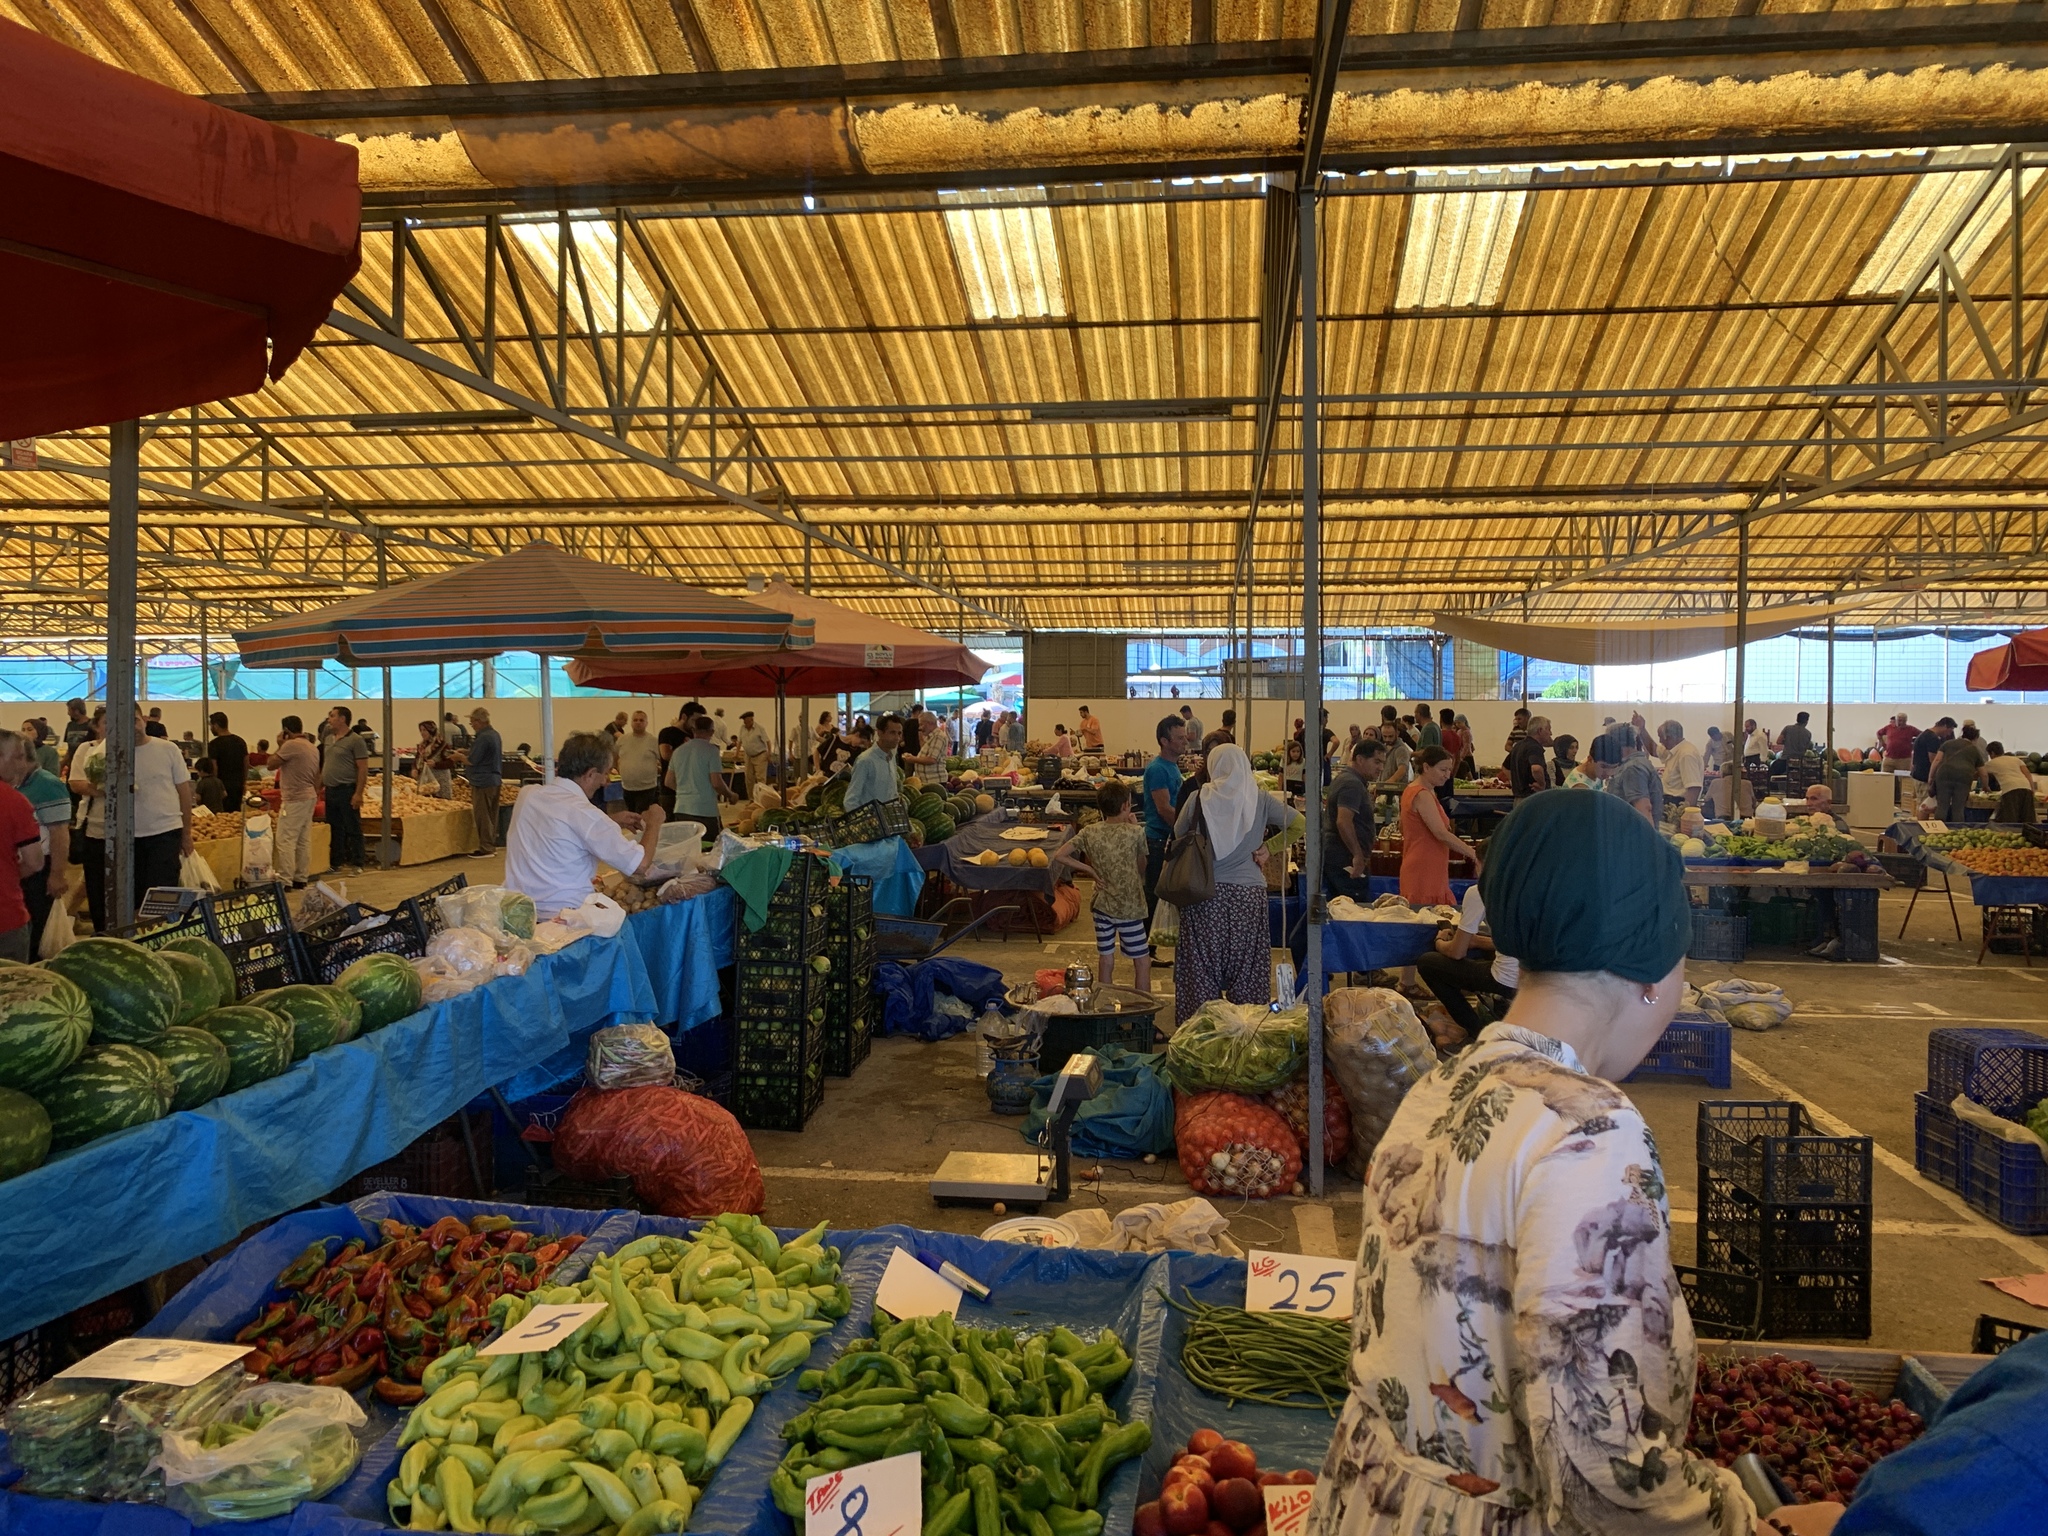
{"x":1933,"y":826}
{"x":883,"y":1498}
{"x":547,"y":1325}
{"x":908,"y":1289}
{"x":1293,"y":1282}
{"x":1287,"y":1509}
{"x":171,"y":1362}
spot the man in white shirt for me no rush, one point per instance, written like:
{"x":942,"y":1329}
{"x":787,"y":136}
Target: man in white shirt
{"x":1685,"y":770}
{"x":754,"y":748}
{"x":558,"y":838}
{"x":639,"y":755}
{"x":164,"y":798}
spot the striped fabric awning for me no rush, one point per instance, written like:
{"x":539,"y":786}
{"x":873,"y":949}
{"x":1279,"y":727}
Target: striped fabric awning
{"x":540,"y":599}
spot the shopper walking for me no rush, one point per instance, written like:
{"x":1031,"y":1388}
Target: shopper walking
{"x":1955,"y":768}
{"x":298,"y":788}
{"x":230,"y":756}
{"x":344,"y":776}
{"x":755,"y":749}
{"x":1162,"y":799}
{"x":1224,"y":949}
{"x":88,"y":784}
{"x":164,"y":798}
{"x":485,"y":770}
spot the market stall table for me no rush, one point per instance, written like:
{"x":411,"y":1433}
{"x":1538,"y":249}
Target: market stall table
{"x":426,"y":836}
{"x":954,"y":858}
{"x":1855,"y":899}
{"x":163,"y":1192}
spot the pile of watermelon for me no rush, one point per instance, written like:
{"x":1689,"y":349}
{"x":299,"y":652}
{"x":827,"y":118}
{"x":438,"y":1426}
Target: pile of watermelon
{"x":110,"y":1034}
{"x":940,"y":815}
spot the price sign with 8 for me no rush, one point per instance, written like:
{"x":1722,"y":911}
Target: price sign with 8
{"x":1294,"y":1282}
{"x":881,"y":1498}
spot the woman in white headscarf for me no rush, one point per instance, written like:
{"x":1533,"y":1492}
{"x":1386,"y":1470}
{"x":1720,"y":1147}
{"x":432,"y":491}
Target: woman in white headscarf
{"x":1223,"y":947}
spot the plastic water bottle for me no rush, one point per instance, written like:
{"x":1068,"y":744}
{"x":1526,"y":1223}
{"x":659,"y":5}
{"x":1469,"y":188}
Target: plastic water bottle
{"x":1283,"y":985}
{"x":993,"y":1024}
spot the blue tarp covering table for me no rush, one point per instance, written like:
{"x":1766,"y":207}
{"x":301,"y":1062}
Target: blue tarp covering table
{"x":892,"y":864}
{"x":1985,"y":890}
{"x":160,"y":1193}
{"x":1375,"y":946}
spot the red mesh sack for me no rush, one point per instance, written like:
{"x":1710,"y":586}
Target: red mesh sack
{"x":1233,"y":1145}
{"x":1292,"y":1102}
{"x":687,"y":1156}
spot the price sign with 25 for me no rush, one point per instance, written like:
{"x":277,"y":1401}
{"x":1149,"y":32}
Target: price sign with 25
{"x":1294,"y":1282}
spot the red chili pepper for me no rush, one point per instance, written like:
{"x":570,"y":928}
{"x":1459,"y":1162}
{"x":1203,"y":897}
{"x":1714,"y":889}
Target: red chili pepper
{"x":349,"y":1376}
{"x":417,"y":1366}
{"x":369,"y":1339}
{"x":434,"y":1288}
{"x":272,"y":1317}
{"x":373,"y":1280}
{"x":449,"y":1229}
{"x":549,"y":1254}
{"x":417,"y":1304}
{"x":399,"y":1393}
{"x":515,"y":1242}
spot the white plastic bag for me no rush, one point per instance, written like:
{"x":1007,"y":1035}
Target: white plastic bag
{"x":492,"y":908}
{"x":464,"y":950}
{"x":440,"y":980}
{"x":1753,"y":1005}
{"x":599,"y":914}
{"x":59,"y":932}
{"x":196,"y":874}
{"x":1191,"y":1226}
{"x":299,"y":1444}
{"x":258,"y":847}
{"x":1165,"y":923}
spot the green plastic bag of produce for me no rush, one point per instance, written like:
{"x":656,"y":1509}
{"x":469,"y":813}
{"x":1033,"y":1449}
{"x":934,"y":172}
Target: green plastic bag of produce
{"x":1239,"y":1048}
{"x":277,"y":1445}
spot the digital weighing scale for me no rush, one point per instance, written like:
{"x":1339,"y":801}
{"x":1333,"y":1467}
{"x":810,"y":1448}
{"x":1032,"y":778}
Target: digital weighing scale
{"x":164,"y":903}
{"x":1025,"y":1178}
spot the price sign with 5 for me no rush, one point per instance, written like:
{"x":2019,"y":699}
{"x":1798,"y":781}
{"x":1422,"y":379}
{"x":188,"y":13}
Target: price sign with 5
{"x":1294,"y":1282}
{"x":544,"y":1327}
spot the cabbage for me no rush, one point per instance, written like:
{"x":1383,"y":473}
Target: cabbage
{"x":1693,"y":848}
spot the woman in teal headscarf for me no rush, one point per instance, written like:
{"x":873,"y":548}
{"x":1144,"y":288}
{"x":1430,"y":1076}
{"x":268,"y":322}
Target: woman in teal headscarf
{"x":1522,"y":1361}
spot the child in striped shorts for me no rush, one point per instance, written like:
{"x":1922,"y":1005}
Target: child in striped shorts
{"x":1113,"y":851}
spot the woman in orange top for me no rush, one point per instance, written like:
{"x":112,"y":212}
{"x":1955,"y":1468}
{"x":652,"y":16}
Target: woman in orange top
{"x":1427,"y":841}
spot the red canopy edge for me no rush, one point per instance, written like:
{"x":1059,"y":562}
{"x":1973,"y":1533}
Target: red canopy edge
{"x":157,"y":250}
{"x":2020,"y":665}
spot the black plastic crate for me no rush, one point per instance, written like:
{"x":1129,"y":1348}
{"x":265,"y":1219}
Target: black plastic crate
{"x":802,"y":886}
{"x":1783,"y":920}
{"x":1723,"y":1306}
{"x":1994,"y":1335}
{"x":426,"y":906}
{"x":1905,"y":868}
{"x":548,"y":1186}
{"x":154,"y":935}
{"x":849,"y":1035}
{"x":1800,"y":1304}
{"x":775,"y":992}
{"x":790,"y":933}
{"x":254,"y":927}
{"x":436,"y":1164}
{"x":391,"y":933}
{"x":1067,"y":1033}
{"x":781,"y":1097}
{"x":1766,"y":1239}
{"x":2011,"y":930}
{"x":1718,"y":937}
{"x":871,"y":823}
{"x":24,"y":1363}
{"x":1768,"y":1150}
{"x":2005,"y":1070}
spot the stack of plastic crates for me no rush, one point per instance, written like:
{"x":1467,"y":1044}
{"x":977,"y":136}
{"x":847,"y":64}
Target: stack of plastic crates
{"x":779,"y":1005}
{"x":2005,"y":1071}
{"x":1789,"y":1211}
{"x":850,"y":984}
{"x":254,"y":926}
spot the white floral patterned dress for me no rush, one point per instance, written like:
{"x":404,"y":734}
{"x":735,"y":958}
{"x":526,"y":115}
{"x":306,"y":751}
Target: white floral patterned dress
{"x":1522,"y":1361}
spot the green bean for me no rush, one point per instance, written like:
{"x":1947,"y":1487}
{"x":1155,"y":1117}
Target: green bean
{"x":1266,"y":1357}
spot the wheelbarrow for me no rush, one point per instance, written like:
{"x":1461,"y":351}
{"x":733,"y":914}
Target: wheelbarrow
{"x":911,"y":941}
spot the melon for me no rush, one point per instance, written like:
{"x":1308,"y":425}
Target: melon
{"x":386,"y":986}
{"x":198,"y":1064}
{"x":1039,"y":858}
{"x":984,"y":803}
{"x":216,"y":958}
{"x":134,"y":995}
{"x":24,"y":1133}
{"x":317,"y":1020}
{"x":1019,"y":859}
{"x":108,"y":1089}
{"x":259,"y":1043}
{"x":198,"y":986}
{"x":45,"y":1022}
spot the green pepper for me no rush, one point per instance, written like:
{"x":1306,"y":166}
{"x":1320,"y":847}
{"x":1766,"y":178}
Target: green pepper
{"x":967,"y":1382}
{"x":848,"y":1366}
{"x":690,"y":1344}
{"x":867,"y":1447}
{"x":1102,"y":1377}
{"x":557,"y":1511}
{"x":1034,"y":1358}
{"x":702,"y":1375}
{"x":1074,"y":1389}
{"x":1037,"y":1448}
{"x":1074,"y":1522}
{"x":811,"y":1381}
{"x":896,"y":1333}
{"x":929,"y":1382}
{"x":458,"y":1494}
{"x":730,"y":1423}
{"x":869,"y":1397}
{"x":936,"y":1451}
{"x":1064,"y":1341}
{"x":979,"y":1450}
{"x":988,"y":1506}
{"x":1118,"y":1445}
{"x":787,"y":1493}
{"x":951,"y":1517}
{"x":866,"y":1421}
{"x":955,"y":1415}
{"x":784,"y":1355}
{"x":800,"y":1426}
{"x":1030,"y":1486}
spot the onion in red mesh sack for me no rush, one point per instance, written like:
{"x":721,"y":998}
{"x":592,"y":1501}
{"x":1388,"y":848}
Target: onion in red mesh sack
{"x":1233,"y":1145}
{"x":687,"y":1156}
{"x":1292,"y":1102}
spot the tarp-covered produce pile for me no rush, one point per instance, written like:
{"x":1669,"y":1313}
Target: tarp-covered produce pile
{"x":360,"y":1314}
{"x":1013,"y":1431}
{"x":625,"y":1420}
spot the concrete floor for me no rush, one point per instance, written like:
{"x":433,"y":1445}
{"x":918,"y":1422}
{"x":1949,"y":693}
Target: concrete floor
{"x":1854,"y":1051}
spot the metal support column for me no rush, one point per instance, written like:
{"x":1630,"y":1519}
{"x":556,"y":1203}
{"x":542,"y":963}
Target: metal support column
{"x":124,"y":476}
{"x":1741,"y":658}
{"x":547,"y":723}
{"x":387,"y":844}
{"x":205,"y":663}
{"x":1312,"y":681}
{"x":1831,"y":683}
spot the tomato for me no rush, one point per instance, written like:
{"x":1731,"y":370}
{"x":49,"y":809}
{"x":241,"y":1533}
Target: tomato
{"x":1301,"y":1477}
{"x":1203,"y":1441}
{"x":1238,"y":1503}
{"x":1233,"y":1458}
{"x":1186,"y":1510}
{"x":1149,"y":1521}
{"x":1272,"y":1479}
{"x":1194,"y":1471}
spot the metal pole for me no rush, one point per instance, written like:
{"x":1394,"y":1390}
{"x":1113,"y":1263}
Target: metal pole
{"x":1831,"y":682}
{"x":1741,"y":659}
{"x":1312,"y":682}
{"x":124,"y":487}
{"x":547,"y":724}
{"x":205,"y":664}
{"x":387,"y":845}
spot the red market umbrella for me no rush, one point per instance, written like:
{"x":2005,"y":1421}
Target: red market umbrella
{"x":2021,"y":664}
{"x":156,"y":251}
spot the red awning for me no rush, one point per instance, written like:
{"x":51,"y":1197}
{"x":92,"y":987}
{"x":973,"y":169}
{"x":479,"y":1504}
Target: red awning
{"x":155,"y":250}
{"x":2020,"y":665}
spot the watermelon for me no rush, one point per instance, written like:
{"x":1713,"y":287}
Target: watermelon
{"x":216,"y":958}
{"x":386,"y":986}
{"x":44,"y":1024}
{"x":198,"y":1064}
{"x":198,"y":987}
{"x":108,"y":1089}
{"x":317,"y":1020}
{"x":259,"y":1043}
{"x":134,"y":994}
{"x":24,"y":1133}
